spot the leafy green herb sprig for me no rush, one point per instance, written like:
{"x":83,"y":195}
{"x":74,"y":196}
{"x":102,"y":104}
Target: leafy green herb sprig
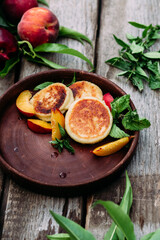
{"x":136,"y":60}
{"x":125,"y":116}
{"x":122,"y":227}
{"x":62,"y":143}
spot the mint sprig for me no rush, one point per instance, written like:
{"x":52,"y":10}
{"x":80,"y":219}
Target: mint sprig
{"x":135,"y":56}
{"x":62,"y":143}
{"x":124,"y":116}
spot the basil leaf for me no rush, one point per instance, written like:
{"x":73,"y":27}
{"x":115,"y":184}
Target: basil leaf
{"x":152,"y":55}
{"x":121,"y":219}
{"x":59,"y":236}
{"x":135,"y":48}
{"x":152,"y":236}
{"x":118,"y":62}
{"x":120,"y":42}
{"x":42,"y":85}
{"x":120,"y":104}
{"x":138,"y":25}
{"x":116,"y":132}
{"x":43,"y":2}
{"x":9,"y":65}
{"x":131,"y":121}
{"x":75,"y":231}
{"x":53,"y":47}
{"x":137,"y":81}
{"x":67,"y":32}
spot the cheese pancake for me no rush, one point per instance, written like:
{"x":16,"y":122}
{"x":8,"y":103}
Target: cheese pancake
{"x":84,"y":89}
{"x":55,"y":96}
{"x":88,"y":120}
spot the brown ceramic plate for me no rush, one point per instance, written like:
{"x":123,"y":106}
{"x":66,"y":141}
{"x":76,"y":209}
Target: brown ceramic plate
{"x":32,"y":161}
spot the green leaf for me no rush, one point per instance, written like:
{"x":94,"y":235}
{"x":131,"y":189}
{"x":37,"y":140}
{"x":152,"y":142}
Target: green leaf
{"x":73,"y":80}
{"x":42,"y":85}
{"x":131,"y":57}
{"x":53,"y":47}
{"x":138,"y":25}
{"x":116,"y":132}
{"x":120,"y":42}
{"x":125,"y":204}
{"x":121,"y":219}
{"x":144,"y":34}
{"x":120,"y":104}
{"x":131,"y":121}
{"x":153,"y":67}
{"x":59,"y":236}
{"x":124,"y":73}
{"x":152,"y":55}
{"x":67,"y":145}
{"x":75,"y":231}
{"x":9,"y":65}
{"x":141,"y":72}
{"x":62,"y":131}
{"x":152,"y":236}
{"x":27,"y":48}
{"x":70,"y":33}
{"x":135,"y":48}
{"x":137,"y":81}
{"x":130,"y":37}
{"x":3,"y":23}
{"x":154,"y":81}
{"x":118,"y":62}
{"x":43,"y":2}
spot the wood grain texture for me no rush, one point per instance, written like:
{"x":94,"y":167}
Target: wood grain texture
{"x":27,"y":214}
{"x":144,"y":168}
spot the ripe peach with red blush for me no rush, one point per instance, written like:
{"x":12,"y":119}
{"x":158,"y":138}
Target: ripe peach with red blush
{"x":38,"y":25}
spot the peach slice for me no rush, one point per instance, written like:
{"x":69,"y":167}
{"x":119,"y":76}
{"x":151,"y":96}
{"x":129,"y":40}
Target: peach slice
{"x":39,"y":126}
{"x":56,"y":117}
{"x":23,"y":103}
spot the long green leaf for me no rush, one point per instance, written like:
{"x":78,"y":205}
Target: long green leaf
{"x":9,"y":65}
{"x":138,"y":25}
{"x":53,"y":47}
{"x":70,"y":33}
{"x":59,"y":236}
{"x":152,"y":236}
{"x":75,"y":231}
{"x":120,"y":42}
{"x":43,"y":2}
{"x":152,"y":55}
{"x":121,"y":219}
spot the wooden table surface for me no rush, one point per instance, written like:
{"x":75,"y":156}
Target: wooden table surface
{"x":24,"y":215}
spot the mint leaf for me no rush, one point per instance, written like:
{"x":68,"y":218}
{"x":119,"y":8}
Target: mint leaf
{"x":154,"y":81}
{"x":118,"y":62}
{"x":67,"y":145}
{"x":138,"y":25}
{"x":120,"y":104}
{"x":131,"y":121}
{"x":120,"y":42}
{"x":137,"y":81}
{"x":116,"y":132}
{"x":135,"y":48}
{"x":152,"y":55}
{"x":62,"y":131}
{"x":75,"y":231}
{"x":42,"y":85}
{"x":70,"y":33}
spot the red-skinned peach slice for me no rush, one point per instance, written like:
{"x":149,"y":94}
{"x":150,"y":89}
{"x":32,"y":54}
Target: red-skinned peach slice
{"x":39,"y":126}
{"x":56,"y":117}
{"x":23,"y":103}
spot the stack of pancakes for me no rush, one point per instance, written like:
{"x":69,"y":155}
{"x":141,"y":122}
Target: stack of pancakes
{"x":88,"y":120}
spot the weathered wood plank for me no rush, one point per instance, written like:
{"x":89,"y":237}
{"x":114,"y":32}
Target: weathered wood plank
{"x":27,"y":214}
{"x":144,"y":168}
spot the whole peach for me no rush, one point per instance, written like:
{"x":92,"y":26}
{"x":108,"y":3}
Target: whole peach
{"x":38,"y":25}
{"x":8,"y":46}
{"x":14,"y":9}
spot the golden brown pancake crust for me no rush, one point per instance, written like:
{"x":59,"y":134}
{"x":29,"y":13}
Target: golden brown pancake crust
{"x":52,"y":98}
{"x":83,"y":89}
{"x":89,"y":119}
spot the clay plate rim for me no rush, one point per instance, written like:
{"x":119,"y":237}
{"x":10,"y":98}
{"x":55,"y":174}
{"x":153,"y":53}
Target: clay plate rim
{"x":20,"y":85}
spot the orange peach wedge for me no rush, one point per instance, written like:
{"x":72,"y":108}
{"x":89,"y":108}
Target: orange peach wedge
{"x":23,"y":103}
{"x":56,"y":117}
{"x":39,"y":126}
